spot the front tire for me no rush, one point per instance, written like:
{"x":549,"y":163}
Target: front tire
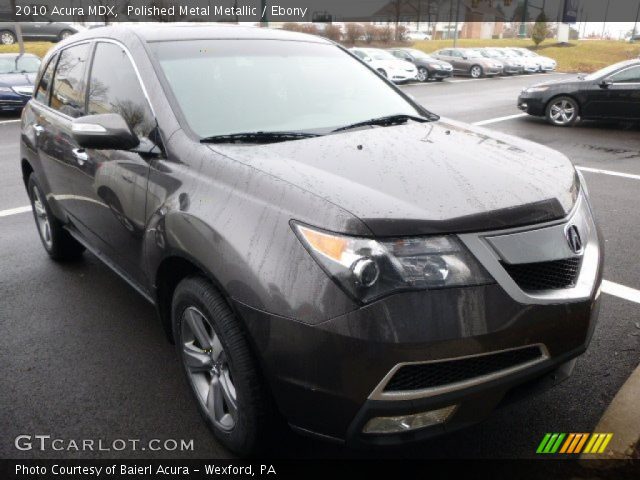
{"x":476,"y":71}
{"x":7,"y":37}
{"x":562,"y":111}
{"x":220,"y":368}
{"x":57,"y":242}
{"x":423,"y":75}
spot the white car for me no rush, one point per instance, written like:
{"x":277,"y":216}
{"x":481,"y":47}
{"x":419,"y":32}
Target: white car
{"x":386,"y":64}
{"x":545,"y":64}
{"x":415,"y":35}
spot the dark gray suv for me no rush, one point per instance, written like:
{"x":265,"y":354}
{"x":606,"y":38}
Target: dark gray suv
{"x":321,"y":249}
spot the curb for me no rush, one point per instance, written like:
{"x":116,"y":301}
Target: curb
{"x":622,"y":418}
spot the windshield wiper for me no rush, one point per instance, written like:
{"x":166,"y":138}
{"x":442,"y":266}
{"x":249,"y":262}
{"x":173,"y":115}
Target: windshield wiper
{"x":257,"y":137}
{"x":385,"y":121}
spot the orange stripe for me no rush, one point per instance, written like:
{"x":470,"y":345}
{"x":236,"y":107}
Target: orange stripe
{"x":582,"y":442}
{"x":567,"y":443}
{"x":575,"y":442}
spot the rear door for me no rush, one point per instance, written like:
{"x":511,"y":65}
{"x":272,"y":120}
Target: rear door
{"x":113,"y":186}
{"x":55,"y":110}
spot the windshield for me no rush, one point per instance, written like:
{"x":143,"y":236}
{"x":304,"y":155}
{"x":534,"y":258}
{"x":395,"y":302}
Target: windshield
{"x":606,"y":71}
{"x":19,"y":64}
{"x":420,"y":54}
{"x":380,"y":55}
{"x":236,"y":86}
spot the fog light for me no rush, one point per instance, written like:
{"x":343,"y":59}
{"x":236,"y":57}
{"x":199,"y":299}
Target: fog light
{"x":406,"y":423}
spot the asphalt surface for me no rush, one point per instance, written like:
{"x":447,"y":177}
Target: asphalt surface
{"x":82,"y":356}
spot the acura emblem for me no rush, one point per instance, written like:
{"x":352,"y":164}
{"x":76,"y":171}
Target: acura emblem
{"x":574,"y":240}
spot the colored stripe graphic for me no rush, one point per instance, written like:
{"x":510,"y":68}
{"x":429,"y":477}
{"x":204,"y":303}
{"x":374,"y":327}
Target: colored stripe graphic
{"x":573,"y":443}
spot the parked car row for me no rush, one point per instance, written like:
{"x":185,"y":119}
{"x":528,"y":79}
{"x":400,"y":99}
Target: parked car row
{"x":35,"y":32}
{"x":474,"y":62}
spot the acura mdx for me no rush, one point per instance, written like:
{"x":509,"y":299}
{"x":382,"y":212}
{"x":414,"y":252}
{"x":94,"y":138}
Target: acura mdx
{"x":321,"y":249}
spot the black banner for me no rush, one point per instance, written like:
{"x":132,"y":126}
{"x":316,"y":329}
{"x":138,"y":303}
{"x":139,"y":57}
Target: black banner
{"x":316,"y":10}
{"x":318,"y":469}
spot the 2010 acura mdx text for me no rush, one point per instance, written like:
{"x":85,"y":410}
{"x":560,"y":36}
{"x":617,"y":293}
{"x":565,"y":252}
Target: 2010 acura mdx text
{"x":320,"y":248}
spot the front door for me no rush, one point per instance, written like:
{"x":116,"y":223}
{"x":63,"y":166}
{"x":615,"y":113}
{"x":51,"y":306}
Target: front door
{"x":114,"y":184}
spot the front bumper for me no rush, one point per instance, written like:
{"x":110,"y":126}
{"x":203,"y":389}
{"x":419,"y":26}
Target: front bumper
{"x":326,"y":379}
{"x":433,"y":73}
{"x":12,"y":101}
{"x":532,"y":104}
{"x":514,"y":70}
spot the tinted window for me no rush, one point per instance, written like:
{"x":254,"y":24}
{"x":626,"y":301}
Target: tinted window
{"x":630,"y":75}
{"x":69,"y":81}
{"x":114,"y":88}
{"x":42,"y":94}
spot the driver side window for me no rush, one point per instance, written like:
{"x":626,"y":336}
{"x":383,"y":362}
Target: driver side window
{"x":630,"y":75}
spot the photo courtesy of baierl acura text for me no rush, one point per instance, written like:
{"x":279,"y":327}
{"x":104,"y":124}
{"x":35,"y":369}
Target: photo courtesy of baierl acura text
{"x":290,"y":238}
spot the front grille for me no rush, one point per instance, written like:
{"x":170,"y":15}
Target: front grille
{"x":552,"y":275}
{"x":436,"y":374}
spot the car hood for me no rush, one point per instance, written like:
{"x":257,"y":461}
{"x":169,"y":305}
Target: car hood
{"x":440,"y":177}
{"x":17,"y":79}
{"x":565,"y":82}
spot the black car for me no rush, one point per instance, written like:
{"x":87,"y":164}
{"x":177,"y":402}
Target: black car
{"x":319,"y":247}
{"x":611,"y":93}
{"x":428,"y":67}
{"x":17,"y":75}
{"x":35,"y":31}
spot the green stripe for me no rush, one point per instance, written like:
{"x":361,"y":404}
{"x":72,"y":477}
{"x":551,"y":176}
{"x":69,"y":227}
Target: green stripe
{"x":543,"y":443}
{"x":558,"y":442}
{"x":547,"y":449}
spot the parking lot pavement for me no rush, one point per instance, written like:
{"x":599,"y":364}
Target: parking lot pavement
{"x":86,"y":357}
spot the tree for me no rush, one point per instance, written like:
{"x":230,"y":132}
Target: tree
{"x":353,"y":32}
{"x":332,"y":32}
{"x":540,"y":29}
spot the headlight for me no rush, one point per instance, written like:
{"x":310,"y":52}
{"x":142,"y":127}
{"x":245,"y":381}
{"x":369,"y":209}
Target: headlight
{"x":437,"y":66}
{"x":535,"y":89}
{"x":5,"y":89}
{"x":368,"y":269}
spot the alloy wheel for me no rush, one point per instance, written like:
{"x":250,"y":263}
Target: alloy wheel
{"x":208,"y":369}
{"x":423,"y":75}
{"x":476,"y":71}
{"x":42,"y":219}
{"x":7,"y":38}
{"x":562,"y":112}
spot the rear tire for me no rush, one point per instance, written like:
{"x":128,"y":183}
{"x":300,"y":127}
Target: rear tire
{"x":7,"y":37}
{"x":476,"y":71}
{"x":220,"y":368}
{"x":57,"y":242}
{"x":64,"y":34}
{"x":562,"y":111}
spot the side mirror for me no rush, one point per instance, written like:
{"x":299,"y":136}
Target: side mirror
{"x":606,"y":83}
{"x":106,"y":131}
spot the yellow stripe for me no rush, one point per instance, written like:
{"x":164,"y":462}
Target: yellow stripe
{"x":596,"y":445}
{"x":592,"y":440}
{"x":583,"y":439}
{"x":567,"y":442}
{"x":606,"y":442}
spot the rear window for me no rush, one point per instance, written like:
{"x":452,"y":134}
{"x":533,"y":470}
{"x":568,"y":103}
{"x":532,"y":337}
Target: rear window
{"x":42,"y":93}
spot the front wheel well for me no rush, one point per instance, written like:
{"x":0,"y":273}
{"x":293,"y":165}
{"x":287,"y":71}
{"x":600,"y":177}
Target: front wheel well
{"x":555,"y":97}
{"x":170,"y":273}
{"x":27,"y":170}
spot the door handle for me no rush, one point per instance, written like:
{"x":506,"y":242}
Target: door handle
{"x":81,"y":156}
{"x":38,"y":129}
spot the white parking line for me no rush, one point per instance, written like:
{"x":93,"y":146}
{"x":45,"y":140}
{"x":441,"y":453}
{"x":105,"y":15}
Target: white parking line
{"x":499,"y":119}
{"x":608,"y":172}
{"x":14,"y":211}
{"x":621,"y":291}
{"x":10,"y":121}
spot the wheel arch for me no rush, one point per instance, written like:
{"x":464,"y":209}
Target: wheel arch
{"x":568,"y":95}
